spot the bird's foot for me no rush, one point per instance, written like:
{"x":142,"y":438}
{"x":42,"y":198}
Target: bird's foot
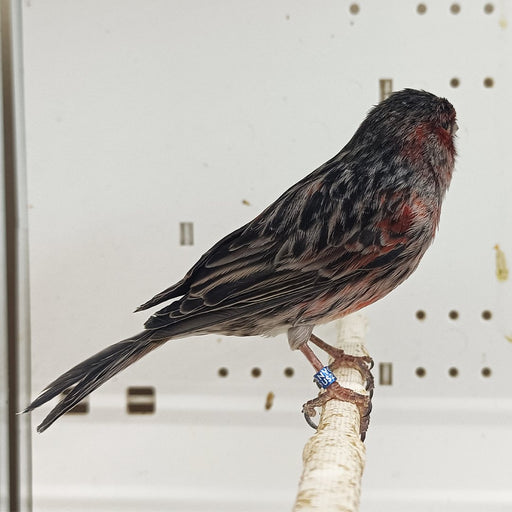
{"x":334,"y":390}
{"x":363,"y":364}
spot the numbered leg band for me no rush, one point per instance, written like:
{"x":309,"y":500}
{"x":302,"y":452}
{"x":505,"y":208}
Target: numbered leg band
{"x":324,"y":377}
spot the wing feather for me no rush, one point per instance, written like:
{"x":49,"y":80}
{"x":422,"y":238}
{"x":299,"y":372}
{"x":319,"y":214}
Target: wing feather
{"x":304,"y":245}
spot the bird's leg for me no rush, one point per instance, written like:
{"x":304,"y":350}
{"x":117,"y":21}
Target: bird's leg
{"x":311,"y":356}
{"x":363,"y":364}
{"x":326,"y":379}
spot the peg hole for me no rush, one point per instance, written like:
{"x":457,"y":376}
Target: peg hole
{"x":256,"y":372}
{"x":289,"y":371}
{"x":186,"y":233}
{"x":140,"y":400}
{"x":385,"y":374}
{"x":354,"y":9}
{"x":486,"y":314}
{"x":421,"y":372}
{"x":453,"y":372}
{"x":385,"y":87}
{"x":421,"y":315}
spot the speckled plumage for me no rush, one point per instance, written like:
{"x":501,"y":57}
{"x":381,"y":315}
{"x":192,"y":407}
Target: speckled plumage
{"x":340,"y":239}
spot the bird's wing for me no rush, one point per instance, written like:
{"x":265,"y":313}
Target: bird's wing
{"x":314,"y":238}
{"x":182,"y":287}
{"x":241,"y":242}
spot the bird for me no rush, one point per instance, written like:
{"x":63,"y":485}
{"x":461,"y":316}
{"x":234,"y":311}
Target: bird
{"x":338,"y":240}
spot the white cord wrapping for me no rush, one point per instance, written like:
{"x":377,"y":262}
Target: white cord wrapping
{"x":334,"y":456}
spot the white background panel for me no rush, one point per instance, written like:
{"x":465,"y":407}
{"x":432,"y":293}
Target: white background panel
{"x":142,"y":115}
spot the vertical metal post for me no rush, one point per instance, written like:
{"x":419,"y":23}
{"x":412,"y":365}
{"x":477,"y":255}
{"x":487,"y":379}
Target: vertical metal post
{"x":4,"y":414}
{"x":16,"y":267}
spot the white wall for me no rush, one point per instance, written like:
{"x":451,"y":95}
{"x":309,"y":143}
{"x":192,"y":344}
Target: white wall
{"x":142,"y":115}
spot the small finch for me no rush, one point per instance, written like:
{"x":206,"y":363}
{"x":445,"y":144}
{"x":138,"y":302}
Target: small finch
{"x":340,"y":239}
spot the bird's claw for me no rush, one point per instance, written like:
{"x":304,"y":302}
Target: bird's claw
{"x":307,"y":416}
{"x":362,"y":402}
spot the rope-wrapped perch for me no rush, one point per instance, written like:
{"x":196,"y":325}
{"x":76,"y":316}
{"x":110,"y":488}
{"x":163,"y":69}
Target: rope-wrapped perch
{"x":334,"y":456}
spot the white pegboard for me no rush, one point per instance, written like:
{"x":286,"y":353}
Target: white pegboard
{"x":140,"y":116}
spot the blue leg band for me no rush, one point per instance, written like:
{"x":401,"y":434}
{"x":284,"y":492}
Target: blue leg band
{"x":324,"y":377}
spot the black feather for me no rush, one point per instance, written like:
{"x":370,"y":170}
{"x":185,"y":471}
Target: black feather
{"x":88,"y":375}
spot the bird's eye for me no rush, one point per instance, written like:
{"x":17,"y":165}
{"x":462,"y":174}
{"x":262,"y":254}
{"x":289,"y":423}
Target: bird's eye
{"x":445,"y":125}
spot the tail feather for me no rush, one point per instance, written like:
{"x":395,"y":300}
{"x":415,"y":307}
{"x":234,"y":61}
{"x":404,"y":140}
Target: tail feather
{"x":90,"y":374}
